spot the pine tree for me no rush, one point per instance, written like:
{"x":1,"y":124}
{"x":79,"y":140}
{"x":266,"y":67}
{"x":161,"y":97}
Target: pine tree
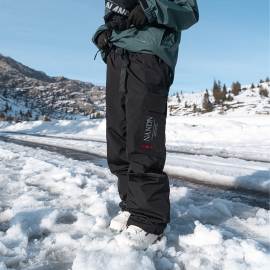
{"x":263,"y":92}
{"x":178,"y":98}
{"x":223,"y":93}
{"x":267,"y":79}
{"x":194,"y":108}
{"x":236,"y":88}
{"x":261,"y":81}
{"x":252,"y":86}
{"x":224,"y":89}
{"x":219,"y":86}
{"x":217,"y":91}
{"x":230,"y":98}
{"x":206,"y":104}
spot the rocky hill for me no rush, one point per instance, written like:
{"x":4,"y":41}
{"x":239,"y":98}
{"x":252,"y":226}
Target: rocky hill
{"x":25,"y":91}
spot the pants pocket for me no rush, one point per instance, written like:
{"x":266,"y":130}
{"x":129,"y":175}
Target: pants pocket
{"x":156,"y":100}
{"x":153,"y":134}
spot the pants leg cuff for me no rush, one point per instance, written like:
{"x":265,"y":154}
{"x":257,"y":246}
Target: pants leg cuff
{"x":156,"y":229}
{"x":123,"y":206}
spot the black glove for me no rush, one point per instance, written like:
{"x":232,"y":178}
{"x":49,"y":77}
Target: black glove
{"x":103,"y":39}
{"x":137,"y":17}
{"x":115,"y":21}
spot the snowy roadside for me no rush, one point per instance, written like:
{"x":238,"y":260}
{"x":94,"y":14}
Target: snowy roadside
{"x":230,"y":172}
{"x":55,"y":213}
{"x":246,"y":137}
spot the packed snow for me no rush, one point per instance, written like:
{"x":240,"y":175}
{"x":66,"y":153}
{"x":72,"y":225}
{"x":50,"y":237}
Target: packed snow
{"x":55,"y":214}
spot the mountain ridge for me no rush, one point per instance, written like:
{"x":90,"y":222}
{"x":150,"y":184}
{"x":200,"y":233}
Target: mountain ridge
{"x":58,"y":97}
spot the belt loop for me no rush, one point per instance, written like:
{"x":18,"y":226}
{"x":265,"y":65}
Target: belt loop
{"x":123,"y":75}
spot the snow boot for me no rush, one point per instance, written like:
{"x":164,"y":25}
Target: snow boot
{"x":119,"y":223}
{"x":137,"y":238}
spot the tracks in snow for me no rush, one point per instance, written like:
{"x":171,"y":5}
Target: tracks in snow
{"x":250,"y":197}
{"x":170,"y":149}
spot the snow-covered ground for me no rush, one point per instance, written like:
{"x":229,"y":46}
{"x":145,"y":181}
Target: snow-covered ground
{"x":55,"y":211}
{"x":235,"y":137}
{"x":231,"y":172}
{"x":246,"y":137}
{"x":55,"y":214}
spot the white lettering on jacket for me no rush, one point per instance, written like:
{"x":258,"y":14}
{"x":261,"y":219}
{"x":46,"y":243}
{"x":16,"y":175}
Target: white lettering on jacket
{"x":117,"y":9}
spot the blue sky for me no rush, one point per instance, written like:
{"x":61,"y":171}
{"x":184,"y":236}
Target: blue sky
{"x":230,"y":42}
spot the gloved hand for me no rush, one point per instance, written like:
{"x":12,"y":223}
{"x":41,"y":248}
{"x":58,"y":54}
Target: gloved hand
{"x":103,"y":39}
{"x":137,"y":17}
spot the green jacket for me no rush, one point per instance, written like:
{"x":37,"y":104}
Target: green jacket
{"x":176,"y":15}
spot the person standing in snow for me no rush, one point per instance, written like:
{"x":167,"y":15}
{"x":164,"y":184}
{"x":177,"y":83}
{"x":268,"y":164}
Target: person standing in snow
{"x":139,"y":42}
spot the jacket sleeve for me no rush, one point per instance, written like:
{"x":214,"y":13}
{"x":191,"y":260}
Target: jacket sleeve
{"x":100,"y":29}
{"x":178,"y":14}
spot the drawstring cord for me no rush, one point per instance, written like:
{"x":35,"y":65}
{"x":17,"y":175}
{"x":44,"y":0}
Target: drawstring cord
{"x":96,"y":54}
{"x":110,"y":46}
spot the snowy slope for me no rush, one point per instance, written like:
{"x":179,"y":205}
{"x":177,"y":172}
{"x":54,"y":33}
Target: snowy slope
{"x":55,"y":214}
{"x":248,"y":102}
{"x":19,"y":105}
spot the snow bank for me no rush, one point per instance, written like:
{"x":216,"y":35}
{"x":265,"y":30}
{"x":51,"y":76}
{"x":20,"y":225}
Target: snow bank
{"x":229,"y":172}
{"x":89,"y":129}
{"x":241,"y":137}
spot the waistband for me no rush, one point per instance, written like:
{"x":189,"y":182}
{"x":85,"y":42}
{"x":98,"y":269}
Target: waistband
{"x":120,"y":51}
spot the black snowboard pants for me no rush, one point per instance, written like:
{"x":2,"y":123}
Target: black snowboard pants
{"x":136,"y":97}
